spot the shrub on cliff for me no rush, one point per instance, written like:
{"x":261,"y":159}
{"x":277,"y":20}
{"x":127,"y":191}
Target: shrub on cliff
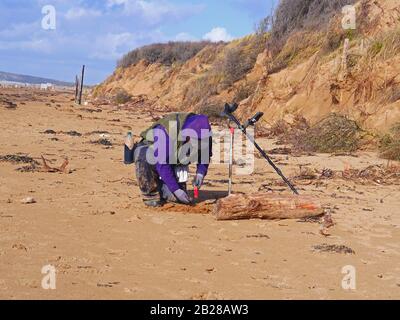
{"x":164,"y":53}
{"x":335,"y":133}
{"x":390,"y":144}
{"x":122,"y":97}
{"x":299,"y":15}
{"x":240,"y":60}
{"x":292,"y":15}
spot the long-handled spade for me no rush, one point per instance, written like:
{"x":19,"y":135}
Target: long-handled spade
{"x":228,"y":112}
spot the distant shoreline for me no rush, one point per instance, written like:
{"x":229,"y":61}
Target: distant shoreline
{"x":14,"y":79}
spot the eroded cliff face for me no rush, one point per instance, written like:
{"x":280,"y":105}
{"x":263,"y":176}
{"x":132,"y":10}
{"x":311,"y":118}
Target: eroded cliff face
{"x":367,"y":89}
{"x":162,"y":85}
{"x":363,"y":84}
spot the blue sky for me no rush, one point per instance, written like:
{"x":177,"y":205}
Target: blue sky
{"x":98,"y":32}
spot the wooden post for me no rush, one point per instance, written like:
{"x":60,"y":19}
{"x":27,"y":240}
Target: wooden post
{"x":81,"y":89}
{"x":266,"y":206}
{"x":76,"y":89}
{"x":345,"y":57}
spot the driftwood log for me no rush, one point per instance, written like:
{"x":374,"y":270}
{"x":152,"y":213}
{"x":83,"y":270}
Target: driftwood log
{"x":266,"y":206}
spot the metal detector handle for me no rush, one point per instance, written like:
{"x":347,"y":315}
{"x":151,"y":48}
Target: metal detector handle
{"x":252,"y":121}
{"x":258,"y":116}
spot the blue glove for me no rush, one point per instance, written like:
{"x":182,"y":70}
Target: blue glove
{"x":182,"y":197}
{"x":198,"y":180}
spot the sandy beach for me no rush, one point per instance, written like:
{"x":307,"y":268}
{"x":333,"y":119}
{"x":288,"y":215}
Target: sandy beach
{"x":91,"y":225}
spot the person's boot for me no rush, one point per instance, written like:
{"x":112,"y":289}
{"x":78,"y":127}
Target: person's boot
{"x":153,"y":203}
{"x":153,"y":200}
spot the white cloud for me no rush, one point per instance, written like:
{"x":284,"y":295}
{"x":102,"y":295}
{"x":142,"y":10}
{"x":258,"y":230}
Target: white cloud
{"x":154,"y":11}
{"x":112,"y":46}
{"x":218,"y":34}
{"x":111,"y":3}
{"x":19,"y":30}
{"x":36,"y":45}
{"x":184,"y":36}
{"x":77,"y":13}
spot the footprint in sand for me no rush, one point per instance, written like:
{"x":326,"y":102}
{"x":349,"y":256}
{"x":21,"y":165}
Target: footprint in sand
{"x":158,"y":220}
{"x":20,"y":247}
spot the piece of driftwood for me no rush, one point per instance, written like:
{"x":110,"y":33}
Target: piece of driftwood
{"x":62,"y":169}
{"x":266,"y":206}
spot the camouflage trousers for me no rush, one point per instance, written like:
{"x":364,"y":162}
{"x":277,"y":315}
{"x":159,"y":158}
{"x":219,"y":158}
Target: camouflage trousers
{"x":154,"y":191}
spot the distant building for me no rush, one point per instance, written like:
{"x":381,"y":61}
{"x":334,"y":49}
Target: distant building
{"x":46,"y":86}
{"x":42,"y":86}
{"x":12,"y":84}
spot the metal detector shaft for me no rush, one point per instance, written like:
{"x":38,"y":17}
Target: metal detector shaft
{"x":263,"y":153}
{"x":232,"y":133}
{"x":269,"y":160}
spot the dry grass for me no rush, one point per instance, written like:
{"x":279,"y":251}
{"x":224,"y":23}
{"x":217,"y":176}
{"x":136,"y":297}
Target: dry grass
{"x":302,"y":28}
{"x":122,"y":97}
{"x":244,"y":91}
{"x":389,"y":91}
{"x":390,"y":144}
{"x":213,"y":110}
{"x":378,"y":174}
{"x":281,"y":130}
{"x":239,"y":59}
{"x":335,"y":133}
{"x":299,"y":47}
{"x":290,"y":133}
{"x":297,"y":15}
{"x":386,"y":45}
{"x":164,"y":53}
{"x":201,"y":89}
{"x":232,"y":65}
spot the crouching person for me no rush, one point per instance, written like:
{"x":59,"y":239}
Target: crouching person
{"x":163,"y":156}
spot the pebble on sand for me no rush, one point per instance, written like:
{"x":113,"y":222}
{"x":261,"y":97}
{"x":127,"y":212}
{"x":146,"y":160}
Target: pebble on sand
{"x":28,"y":200}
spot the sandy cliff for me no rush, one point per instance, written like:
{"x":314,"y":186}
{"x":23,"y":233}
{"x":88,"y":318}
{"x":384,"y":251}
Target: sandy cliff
{"x":313,"y":80}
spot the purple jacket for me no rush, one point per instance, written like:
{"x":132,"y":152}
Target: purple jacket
{"x":201,"y":126}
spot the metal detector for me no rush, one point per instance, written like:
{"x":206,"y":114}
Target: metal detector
{"x":229,"y":112}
